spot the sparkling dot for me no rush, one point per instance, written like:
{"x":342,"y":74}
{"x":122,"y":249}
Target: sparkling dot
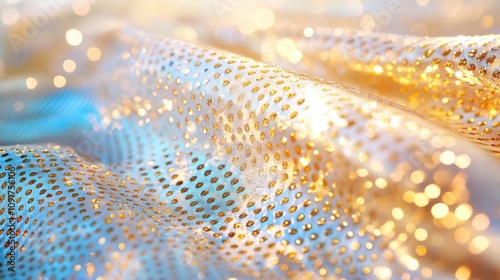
{"x":94,"y":54}
{"x":412,"y":264}
{"x":381,"y":183}
{"x":463,"y":273}
{"x":487,"y":21}
{"x":421,"y":250}
{"x":481,"y":243}
{"x":462,"y":161}
{"x":409,"y":196}
{"x":295,"y":56}
{"x":420,"y":234}
{"x":449,"y":198}
{"x":427,"y":272}
{"x":463,"y":212}
{"x":447,"y":157}
{"x":285,"y":46}
{"x":141,"y":112}
{"x":263,"y":17}
{"x":378,"y":69}
{"x":74,"y":37}
{"x":90,"y":269}
{"x":323,"y":271}
{"x":69,"y":65}
{"x":59,"y":81}
{"x":439,"y":210}
{"x":10,"y":15}
{"x":31,"y":83}
{"x":382,"y":272}
{"x":398,"y":213}
{"x":81,"y":7}
{"x":421,"y":200}
{"x":481,"y":222}
{"x":308,"y":32}
{"x":418,"y":176}
{"x":432,"y":191}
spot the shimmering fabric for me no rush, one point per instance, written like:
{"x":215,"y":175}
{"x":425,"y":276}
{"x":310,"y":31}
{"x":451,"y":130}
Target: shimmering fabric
{"x":454,"y":80}
{"x":128,"y":154}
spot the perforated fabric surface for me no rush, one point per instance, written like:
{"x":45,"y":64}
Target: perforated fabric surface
{"x":211,"y":165}
{"x":455,"y":80}
{"x":165,"y":159}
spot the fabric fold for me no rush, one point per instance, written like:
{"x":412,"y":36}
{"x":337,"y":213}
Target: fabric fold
{"x":196,"y":162}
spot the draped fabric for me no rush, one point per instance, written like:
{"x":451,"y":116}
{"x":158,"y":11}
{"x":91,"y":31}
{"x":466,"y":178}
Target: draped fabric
{"x":232,"y":140}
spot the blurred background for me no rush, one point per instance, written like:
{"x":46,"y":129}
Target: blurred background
{"x":28,"y":25}
{"x":31,"y":27}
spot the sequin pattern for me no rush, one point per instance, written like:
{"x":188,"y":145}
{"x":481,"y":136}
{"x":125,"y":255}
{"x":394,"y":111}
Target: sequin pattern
{"x":453,"y":80}
{"x":206,"y":164}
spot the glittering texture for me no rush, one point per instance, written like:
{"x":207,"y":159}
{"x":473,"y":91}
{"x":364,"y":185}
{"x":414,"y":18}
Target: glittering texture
{"x":454,"y":80}
{"x":156,"y":158}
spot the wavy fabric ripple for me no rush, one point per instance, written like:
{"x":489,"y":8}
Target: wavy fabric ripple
{"x":182,"y":161}
{"x":453,"y":80}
